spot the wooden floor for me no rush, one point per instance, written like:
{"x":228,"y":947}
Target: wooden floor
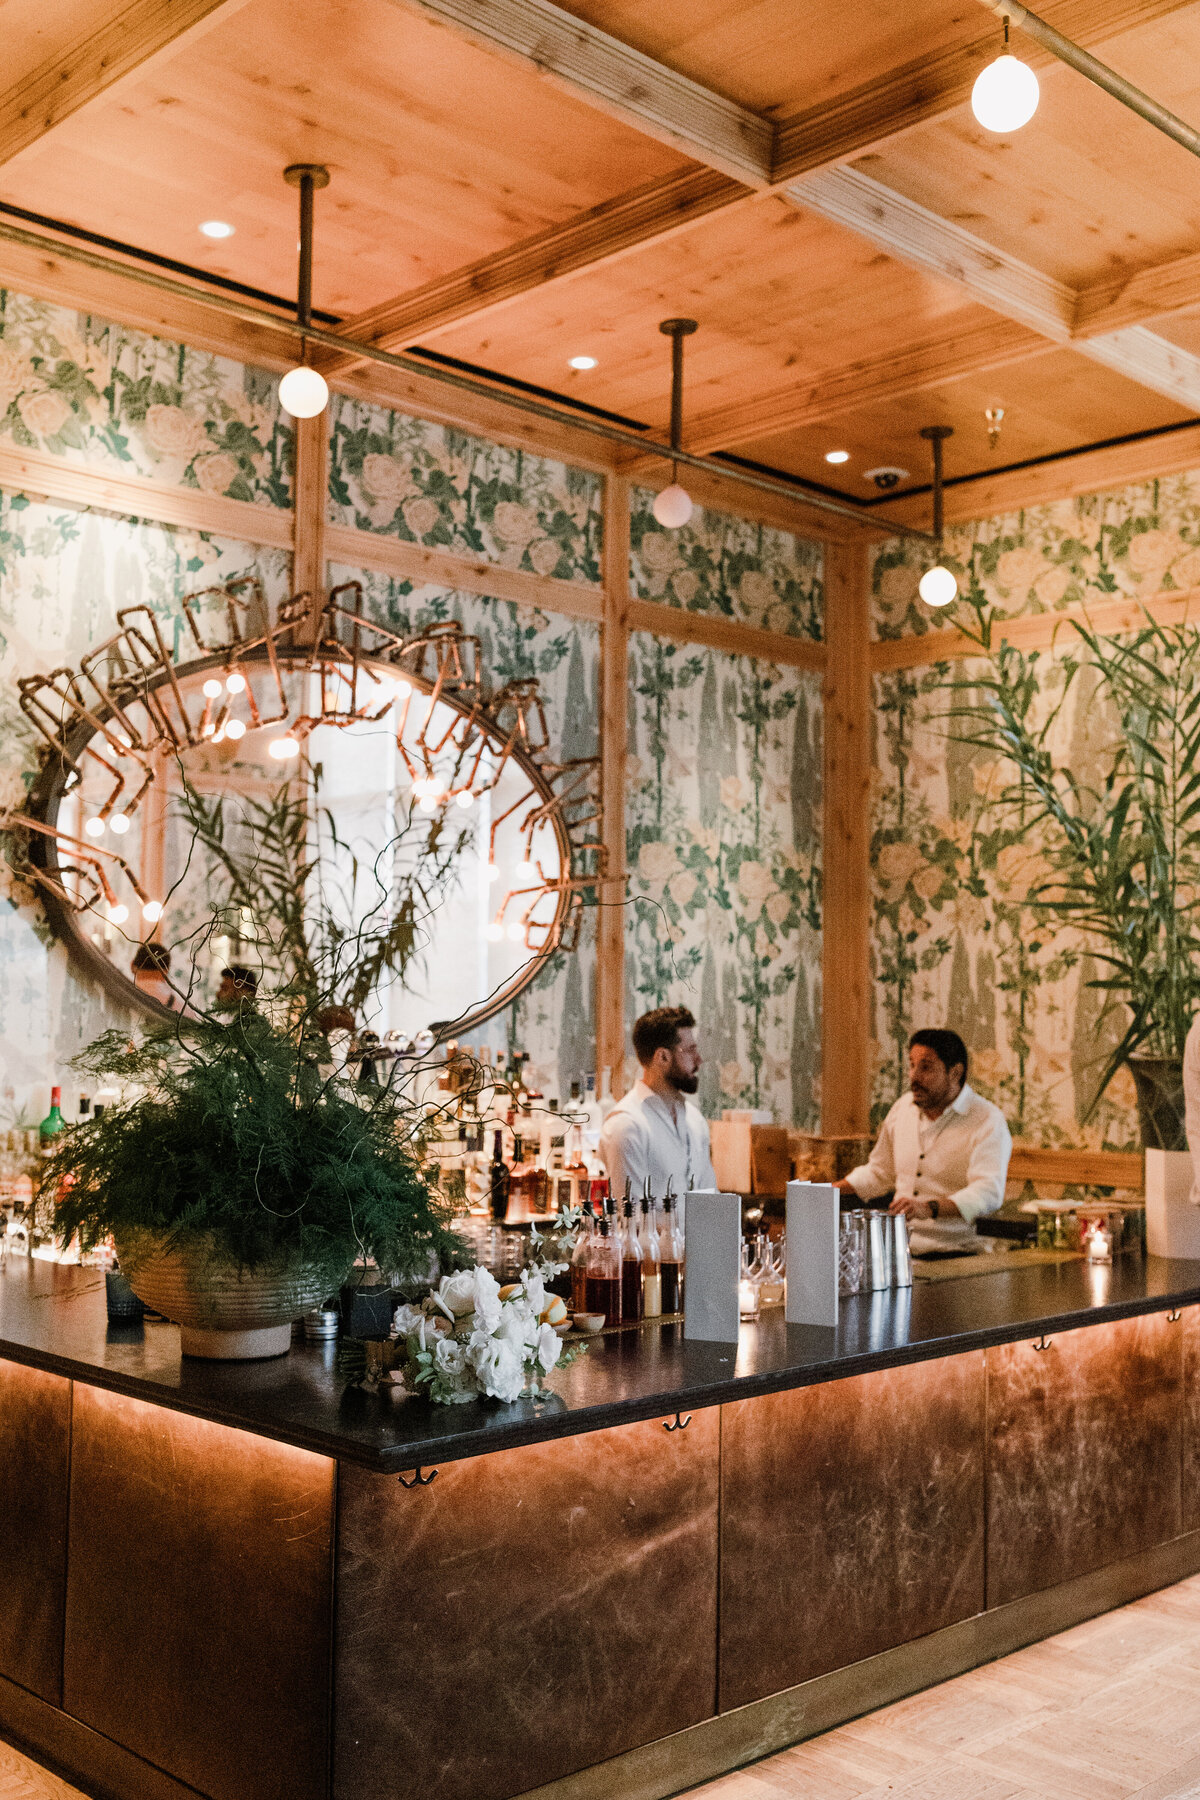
{"x":1107,"y":1711}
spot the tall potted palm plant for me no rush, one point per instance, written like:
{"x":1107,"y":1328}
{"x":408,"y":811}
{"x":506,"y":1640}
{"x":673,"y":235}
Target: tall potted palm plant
{"x":1121,"y":839}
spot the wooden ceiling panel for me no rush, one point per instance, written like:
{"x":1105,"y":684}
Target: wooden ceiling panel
{"x":1052,"y":403}
{"x":762,"y":54}
{"x":780,"y":296}
{"x":1087,"y":188}
{"x":439,"y":153}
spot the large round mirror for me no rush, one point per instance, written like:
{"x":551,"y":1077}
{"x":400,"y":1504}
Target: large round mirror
{"x":354,"y":826}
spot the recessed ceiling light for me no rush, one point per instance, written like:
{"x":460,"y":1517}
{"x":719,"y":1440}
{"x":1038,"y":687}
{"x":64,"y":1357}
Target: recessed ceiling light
{"x":217,"y":228}
{"x":837,"y":456}
{"x":581,"y":362}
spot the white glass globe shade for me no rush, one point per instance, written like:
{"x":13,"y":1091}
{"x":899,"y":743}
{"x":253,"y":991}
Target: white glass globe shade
{"x":235,"y":729}
{"x":1005,"y":95}
{"x":152,"y":911}
{"x":525,"y":871}
{"x":235,"y":683}
{"x":465,"y":798}
{"x":94,"y":827}
{"x":119,"y":823}
{"x":516,"y":931}
{"x":283,"y":748}
{"x":118,"y":913}
{"x":211,"y":689}
{"x":673,"y":507}
{"x":494,"y":933}
{"x":303,"y":393}
{"x":938,"y":586}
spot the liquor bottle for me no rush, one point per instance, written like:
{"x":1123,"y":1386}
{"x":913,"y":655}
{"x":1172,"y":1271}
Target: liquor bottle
{"x":52,"y":1124}
{"x":573,"y":1118}
{"x":651,"y":1266}
{"x":579,"y":1263}
{"x":670,"y":1255}
{"x":498,"y":1180}
{"x":631,"y":1264}
{"x":604,"y":1276}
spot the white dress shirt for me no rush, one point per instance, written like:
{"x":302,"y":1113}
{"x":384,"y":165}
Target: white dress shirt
{"x":645,"y":1135}
{"x":961,"y":1156}
{"x":1191,"y":1101}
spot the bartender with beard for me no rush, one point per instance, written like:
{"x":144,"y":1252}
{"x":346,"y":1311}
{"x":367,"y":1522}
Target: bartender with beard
{"x":654,"y":1133}
{"x":943,"y":1151}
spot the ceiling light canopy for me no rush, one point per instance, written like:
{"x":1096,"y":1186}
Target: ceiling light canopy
{"x":303,"y":392}
{"x":673,"y":507}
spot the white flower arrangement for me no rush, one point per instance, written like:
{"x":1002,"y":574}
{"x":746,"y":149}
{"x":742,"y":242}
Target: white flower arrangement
{"x":471,"y":1338}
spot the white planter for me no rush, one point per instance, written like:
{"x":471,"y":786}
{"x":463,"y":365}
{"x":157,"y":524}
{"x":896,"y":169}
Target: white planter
{"x":1172,"y":1222}
{"x":223,"y":1312}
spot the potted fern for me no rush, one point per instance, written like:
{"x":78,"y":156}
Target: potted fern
{"x":240,"y":1179}
{"x":1121,"y":838}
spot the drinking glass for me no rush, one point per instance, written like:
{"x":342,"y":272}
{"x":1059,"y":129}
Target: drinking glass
{"x":850,"y":1254}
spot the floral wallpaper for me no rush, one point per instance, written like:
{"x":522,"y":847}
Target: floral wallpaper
{"x":429,"y":484}
{"x":63,"y":575}
{"x":117,"y":400}
{"x":717,"y":563}
{"x":953,"y":940}
{"x":724,"y":834}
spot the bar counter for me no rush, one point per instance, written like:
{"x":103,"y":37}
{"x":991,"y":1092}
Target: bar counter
{"x":243,"y":1582}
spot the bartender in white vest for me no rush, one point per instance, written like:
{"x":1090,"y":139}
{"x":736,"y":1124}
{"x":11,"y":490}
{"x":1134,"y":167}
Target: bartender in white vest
{"x":943,"y":1151}
{"x":655,"y":1131}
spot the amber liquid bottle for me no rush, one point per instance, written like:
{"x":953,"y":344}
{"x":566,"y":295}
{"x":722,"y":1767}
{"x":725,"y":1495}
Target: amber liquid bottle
{"x":498,"y":1180}
{"x":670,"y":1258}
{"x":604,"y":1276}
{"x":579,"y":1265}
{"x":631,"y":1267}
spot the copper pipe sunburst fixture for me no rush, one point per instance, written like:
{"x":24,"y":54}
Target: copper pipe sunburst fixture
{"x":114,"y":726}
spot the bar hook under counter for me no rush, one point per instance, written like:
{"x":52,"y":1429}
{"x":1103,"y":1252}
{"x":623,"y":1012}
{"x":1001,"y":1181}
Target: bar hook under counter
{"x":1174,"y":1316}
{"x":678,"y":1423}
{"x":416,"y":1479}
{"x":1042,"y":1343}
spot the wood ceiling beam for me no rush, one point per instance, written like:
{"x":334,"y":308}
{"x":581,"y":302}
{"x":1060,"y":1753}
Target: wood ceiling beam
{"x":1136,"y":299}
{"x":605,"y":73}
{"x":130,"y":39}
{"x":937,"y":246}
{"x":846,"y":126}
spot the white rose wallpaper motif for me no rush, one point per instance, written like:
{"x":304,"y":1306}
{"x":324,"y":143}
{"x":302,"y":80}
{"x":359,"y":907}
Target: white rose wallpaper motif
{"x":91,"y":392}
{"x":954,"y":942}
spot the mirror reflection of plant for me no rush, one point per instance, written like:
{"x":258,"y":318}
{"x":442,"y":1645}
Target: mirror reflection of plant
{"x":327,"y":951}
{"x":1121,"y":848}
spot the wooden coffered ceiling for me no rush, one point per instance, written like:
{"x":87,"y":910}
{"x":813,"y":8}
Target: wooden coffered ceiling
{"x":515,"y":183}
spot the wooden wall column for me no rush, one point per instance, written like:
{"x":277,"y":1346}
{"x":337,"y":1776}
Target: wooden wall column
{"x":846,"y":1002}
{"x":310,"y":500}
{"x":614,"y":725}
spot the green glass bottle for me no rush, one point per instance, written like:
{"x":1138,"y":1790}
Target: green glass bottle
{"x":52,"y":1124}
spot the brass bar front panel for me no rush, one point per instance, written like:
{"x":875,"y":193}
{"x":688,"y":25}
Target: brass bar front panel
{"x":35,"y":1438}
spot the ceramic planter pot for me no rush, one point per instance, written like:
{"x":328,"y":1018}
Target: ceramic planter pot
{"x":223,"y":1312}
{"x":1159,"y":1084}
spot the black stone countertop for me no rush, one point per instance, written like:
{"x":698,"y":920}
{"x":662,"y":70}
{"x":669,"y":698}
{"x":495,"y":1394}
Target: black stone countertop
{"x":53,"y":1317}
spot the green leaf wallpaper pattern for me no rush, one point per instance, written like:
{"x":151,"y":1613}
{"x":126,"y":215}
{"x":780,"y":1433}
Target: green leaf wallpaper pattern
{"x":429,"y":484}
{"x":121,"y":401}
{"x":717,"y":563}
{"x":724,"y":843}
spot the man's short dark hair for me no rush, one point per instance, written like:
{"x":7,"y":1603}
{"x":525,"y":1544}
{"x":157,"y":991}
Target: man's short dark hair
{"x":242,"y":977}
{"x":947,"y":1046}
{"x":659,"y":1030}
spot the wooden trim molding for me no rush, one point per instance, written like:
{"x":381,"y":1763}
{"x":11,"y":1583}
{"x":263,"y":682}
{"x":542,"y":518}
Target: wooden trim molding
{"x":31,"y":471}
{"x":1038,"y":631}
{"x":845,"y":910}
{"x":614,"y":737}
{"x":423,"y":564}
{"x":311,"y":500}
{"x":1088,"y":1168}
{"x":716,"y":632}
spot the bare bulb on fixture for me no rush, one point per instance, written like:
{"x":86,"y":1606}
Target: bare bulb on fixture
{"x":94,"y":827}
{"x":465,"y":798}
{"x":303,"y":392}
{"x":283,"y":748}
{"x":152,"y":911}
{"x":235,"y":729}
{"x":493,"y":873}
{"x":494,"y":932}
{"x":212,"y":689}
{"x":119,"y":822}
{"x":938,"y":586}
{"x":235,"y":683}
{"x":516,"y":932}
{"x":118,"y":913}
{"x":1005,"y":95}
{"x":525,"y":871}
{"x":673,"y":507}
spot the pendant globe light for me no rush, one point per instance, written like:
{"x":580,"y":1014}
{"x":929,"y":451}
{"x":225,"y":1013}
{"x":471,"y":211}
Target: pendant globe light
{"x":1006,"y":93}
{"x":673,"y":507}
{"x":939,"y":585}
{"x":303,"y":392}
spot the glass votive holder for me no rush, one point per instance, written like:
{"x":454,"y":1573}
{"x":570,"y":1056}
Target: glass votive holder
{"x":124,"y":1307}
{"x":748,"y":1298}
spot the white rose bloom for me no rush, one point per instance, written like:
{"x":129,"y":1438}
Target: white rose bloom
{"x":512,"y":1329}
{"x":406,"y":1321}
{"x":535,"y":1289}
{"x":549,"y":1348}
{"x":486,"y":1302}
{"x":497,"y":1368}
{"x":450,"y":1358}
{"x":457,"y":1292}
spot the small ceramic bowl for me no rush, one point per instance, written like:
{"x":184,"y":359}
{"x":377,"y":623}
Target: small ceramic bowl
{"x":589,"y":1321}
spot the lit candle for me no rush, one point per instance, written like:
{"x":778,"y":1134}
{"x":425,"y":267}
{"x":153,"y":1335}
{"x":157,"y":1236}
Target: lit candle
{"x":748,"y":1299}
